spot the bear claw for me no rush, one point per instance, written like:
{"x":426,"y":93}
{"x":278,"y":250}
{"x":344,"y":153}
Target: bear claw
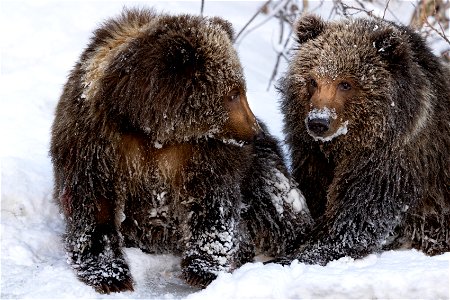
{"x":285,"y":261}
{"x":198,"y":279}
{"x":115,"y":286}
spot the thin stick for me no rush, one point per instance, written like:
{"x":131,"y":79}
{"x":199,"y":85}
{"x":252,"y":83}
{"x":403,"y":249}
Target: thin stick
{"x":251,"y":19}
{"x":441,"y":34}
{"x":385,"y":8}
{"x":202,"y":7}
{"x":279,"y":56}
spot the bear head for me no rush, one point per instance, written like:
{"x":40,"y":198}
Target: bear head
{"x":175,"y":78}
{"x":344,"y":79}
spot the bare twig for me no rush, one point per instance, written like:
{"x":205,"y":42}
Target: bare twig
{"x":274,"y":13}
{"x":251,"y":20}
{"x":385,"y":8}
{"x":435,"y":9}
{"x":277,"y":63}
{"x":440,"y":32}
{"x":340,"y":6}
{"x":286,"y":11}
{"x":202,"y":7}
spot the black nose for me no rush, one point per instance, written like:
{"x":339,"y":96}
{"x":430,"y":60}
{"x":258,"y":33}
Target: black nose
{"x":260,"y":135}
{"x":318,"y":126}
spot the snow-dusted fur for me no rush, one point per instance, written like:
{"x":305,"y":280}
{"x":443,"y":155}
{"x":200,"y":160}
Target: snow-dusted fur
{"x":384,"y":182}
{"x":154,"y":146}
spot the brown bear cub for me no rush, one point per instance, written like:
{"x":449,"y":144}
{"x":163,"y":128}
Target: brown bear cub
{"x":154,"y":146}
{"x":366,"y":107}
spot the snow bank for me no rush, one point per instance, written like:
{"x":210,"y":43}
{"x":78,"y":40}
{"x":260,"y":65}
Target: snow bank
{"x":41,"y":41}
{"x":394,"y":274}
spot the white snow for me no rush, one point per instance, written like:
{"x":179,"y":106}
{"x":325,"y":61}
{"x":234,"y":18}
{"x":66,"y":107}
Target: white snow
{"x":389,"y":275}
{"x":322,"y":113}
{"x":40,"y":42}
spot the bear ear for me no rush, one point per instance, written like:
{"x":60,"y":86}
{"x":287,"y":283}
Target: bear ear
{"x":224,"y":24}
{"x":181,"y":56}
{"x":308,"y":27}
{"x":390,"y":45}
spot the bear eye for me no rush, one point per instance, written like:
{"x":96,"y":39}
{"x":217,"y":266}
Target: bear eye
{"x":313,"y":82}
{"x":345,"y":86}
{"x":234,"y":95}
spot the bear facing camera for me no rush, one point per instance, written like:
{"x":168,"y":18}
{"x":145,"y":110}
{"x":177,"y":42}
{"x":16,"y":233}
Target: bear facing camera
{"x":154,"y":146}
{"x":366,"y":109}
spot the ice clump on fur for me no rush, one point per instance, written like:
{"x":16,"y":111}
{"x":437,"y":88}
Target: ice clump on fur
{"x":322,"y":113}
{"x":233,"y":142}
{"x":284,"y":191}
{"x":296,"y":199}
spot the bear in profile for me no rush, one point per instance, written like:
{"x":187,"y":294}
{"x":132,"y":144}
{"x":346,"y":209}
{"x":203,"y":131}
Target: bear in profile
{"x":366,"y":109}
{"x":154,"y":146}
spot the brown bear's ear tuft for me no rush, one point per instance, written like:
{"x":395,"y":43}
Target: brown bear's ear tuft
{"x":390,"y":45}
{"x":181,"y":56}
{"x":308,"y":27}
{"x":224,"y":24}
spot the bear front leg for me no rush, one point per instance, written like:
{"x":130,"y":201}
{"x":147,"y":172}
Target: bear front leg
{"x":211,"y":234}
{"x":313,"y":172}
{"x":275,"y":210}
{"x":366,"y":204}
{"x":93,"y":247}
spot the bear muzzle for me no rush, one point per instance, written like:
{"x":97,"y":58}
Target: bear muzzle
{"x":324,"y":125}
{"x":319,"y":121}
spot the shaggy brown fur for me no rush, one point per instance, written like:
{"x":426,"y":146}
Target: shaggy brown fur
{"x":367,"y":108}
{"x":154,"y":147}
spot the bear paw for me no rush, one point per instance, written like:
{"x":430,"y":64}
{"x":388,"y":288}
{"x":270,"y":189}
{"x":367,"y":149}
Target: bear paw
{"x":103,"y":275}
{"x":200,"y":279}
{"x":113,"y":285}
{"x":199,"y":271}
{"x":285,"y":261}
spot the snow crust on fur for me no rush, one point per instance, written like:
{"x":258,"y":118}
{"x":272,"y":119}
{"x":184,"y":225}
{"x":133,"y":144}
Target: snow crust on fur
{"x":322,"y":113}
{"x":326,"y":113}
{"x":342,"y":130}
{"x":285,"y":193}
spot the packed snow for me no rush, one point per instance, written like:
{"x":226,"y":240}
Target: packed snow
{"x":40,"y":42}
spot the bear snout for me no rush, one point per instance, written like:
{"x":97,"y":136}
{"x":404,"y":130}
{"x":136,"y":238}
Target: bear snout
{"x":260,"y":134}
{"x":318,"y":126}
{"x":322,"y":123}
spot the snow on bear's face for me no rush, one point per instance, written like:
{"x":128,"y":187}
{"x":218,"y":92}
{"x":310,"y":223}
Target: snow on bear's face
{"x":325,"y":119}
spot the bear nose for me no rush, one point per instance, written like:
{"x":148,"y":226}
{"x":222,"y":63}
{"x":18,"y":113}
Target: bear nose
{"x":260,"y":135}
{"x":318,"y":126}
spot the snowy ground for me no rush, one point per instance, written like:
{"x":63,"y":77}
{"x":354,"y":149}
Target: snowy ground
{"x":41,"y":40}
